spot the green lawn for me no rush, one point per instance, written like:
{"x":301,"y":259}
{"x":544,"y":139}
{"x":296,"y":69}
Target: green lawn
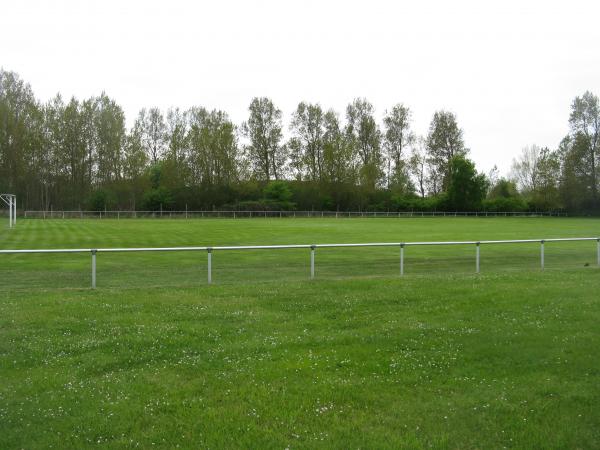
{"x":359,"y":358}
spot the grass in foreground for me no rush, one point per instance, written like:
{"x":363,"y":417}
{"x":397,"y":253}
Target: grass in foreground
{"x":358,"y":358}
{"x":504,"y":360}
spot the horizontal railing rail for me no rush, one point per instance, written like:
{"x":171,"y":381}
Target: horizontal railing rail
{"x":235,"y":214}
{"x":312,"y":247}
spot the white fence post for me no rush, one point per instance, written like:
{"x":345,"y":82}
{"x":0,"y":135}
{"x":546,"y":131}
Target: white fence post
{"x":477,"y":259}
{"x":94,"y":269}
{"x":209,"y":250}
{"x":10,"y":212}
{"x":312,"y":262}
{"x":401,"y":259}
{"x":542,"y":253}
{"x":598,"y":251}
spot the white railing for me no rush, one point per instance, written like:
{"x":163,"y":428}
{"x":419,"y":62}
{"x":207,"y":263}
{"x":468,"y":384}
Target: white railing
{"x":312,"y":247}
{"x":273,"y":214}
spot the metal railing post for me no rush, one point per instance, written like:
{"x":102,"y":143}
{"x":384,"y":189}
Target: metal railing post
{"x":542,"y":253}
{"x":312,"y":262}
{"x":401,"y":259}
{"x":209,"y":250}
{"x":94,"y":251}
{"x":477,"y":258}
{"x":598,"y":251}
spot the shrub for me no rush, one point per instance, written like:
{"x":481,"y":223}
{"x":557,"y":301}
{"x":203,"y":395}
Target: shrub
{"x":101,"y":200}
{"x":157,"y":199}
{"x":278,"y":195}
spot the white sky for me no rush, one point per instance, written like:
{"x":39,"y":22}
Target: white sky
{"x":509,"y":70}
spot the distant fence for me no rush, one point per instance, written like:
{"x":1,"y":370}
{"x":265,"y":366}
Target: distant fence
{"x":312,"y":247}
{"x":273,"y":214}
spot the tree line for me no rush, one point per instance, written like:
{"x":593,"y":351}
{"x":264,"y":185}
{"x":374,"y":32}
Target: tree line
{"x":79,"y":154}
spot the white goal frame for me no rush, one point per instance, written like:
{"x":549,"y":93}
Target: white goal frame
{"x":11,"y":202}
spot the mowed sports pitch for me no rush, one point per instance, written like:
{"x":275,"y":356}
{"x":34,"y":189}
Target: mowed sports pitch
{"x":266,"y":358}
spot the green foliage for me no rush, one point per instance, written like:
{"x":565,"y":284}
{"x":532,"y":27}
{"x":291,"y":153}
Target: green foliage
{"x":444,"y":142}
{"x":466,"y":188}
{"x":157,"y":199}
{"x":55,"y":155}
{"x":365,"y":138}
{"x":504,"y":197}
{"x":306,"y":147}
{"x":414,"y":203}
{"x":264,"y":130}
{"x":504,"y":189}
{"x":576,"y":189}
{"x":397,"y":138}
{"x":212,"y":148}
{"x":155,"y":175}
{"x":505,"y":204}
{"x":279,"y":193}
{"x":101,"y":200}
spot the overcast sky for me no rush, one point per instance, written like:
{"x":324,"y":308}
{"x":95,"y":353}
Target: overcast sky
{"x":508,"y":70}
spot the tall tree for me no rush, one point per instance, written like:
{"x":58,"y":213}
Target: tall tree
{"x":525,"y":169}
{"x":418,"y":165}
{"x":444,"y":142}
{"x":87,"y":114}
{"x":364,"y":134}
{"x":576,"y":181}
{"x":135,"y":159}
{"x":154,"y":135}
{"x":547,"y":194}
{"x":340,"y":168}
{"x":263,"y":129}
{"x":67,"y":147}
{"x":110,"y":138}
{"x":466,"y":187}
{"x":212,"y":147}
{"x":21,"y":136}
{"x":306,"y":145}
{"x":176,"y":129}
{"x":338,"y":157}
{"x":135,"y":163}
{"x":398,"y":136}
{"x":585,"y":131}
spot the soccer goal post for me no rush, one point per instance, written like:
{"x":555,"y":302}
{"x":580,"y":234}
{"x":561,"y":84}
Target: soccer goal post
{"x":11,"y":201}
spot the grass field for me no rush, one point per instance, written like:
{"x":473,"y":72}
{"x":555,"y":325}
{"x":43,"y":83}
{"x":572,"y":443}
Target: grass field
{"x":189,"y":268}
{"x":358,"y":358}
